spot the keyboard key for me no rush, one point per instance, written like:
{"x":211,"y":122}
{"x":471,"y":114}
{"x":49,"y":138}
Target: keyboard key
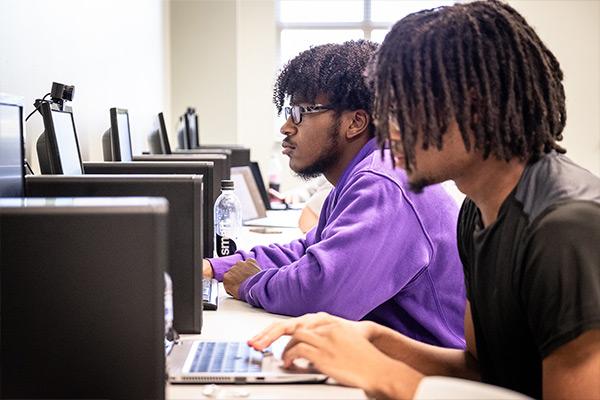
{"x":226,"y":357}
{"x":210,"y":293}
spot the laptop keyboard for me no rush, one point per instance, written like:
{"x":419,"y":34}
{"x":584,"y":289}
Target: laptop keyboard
{"x":210,"y":293}
{"x":226,"y":357}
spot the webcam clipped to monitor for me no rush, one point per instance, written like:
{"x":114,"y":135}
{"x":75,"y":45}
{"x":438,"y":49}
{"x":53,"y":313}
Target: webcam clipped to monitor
{"x":11,"y":146}
{"x":116,"y":141}
{"x":57,"y":147}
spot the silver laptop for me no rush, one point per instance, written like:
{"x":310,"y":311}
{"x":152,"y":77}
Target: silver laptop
{"x":197,"y":361}
{"x":254,"y":212}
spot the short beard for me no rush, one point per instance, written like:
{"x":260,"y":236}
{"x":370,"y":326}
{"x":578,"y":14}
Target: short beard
{"x":329,"y":155}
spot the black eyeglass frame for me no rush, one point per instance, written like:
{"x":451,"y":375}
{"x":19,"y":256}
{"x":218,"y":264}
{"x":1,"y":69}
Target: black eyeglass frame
{"x":297,"y":111}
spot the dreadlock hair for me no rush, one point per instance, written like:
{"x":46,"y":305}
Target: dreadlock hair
{"x":335,"y":70}
{"x":479,"y":63}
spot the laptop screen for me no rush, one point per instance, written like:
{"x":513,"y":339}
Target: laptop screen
{"x":247,"y":192}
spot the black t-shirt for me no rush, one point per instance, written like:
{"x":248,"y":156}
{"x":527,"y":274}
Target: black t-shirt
{"x":533,"y":276}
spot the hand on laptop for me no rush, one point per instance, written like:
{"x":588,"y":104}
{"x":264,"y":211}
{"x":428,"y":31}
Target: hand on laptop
{"x":207,"y":271}
{"x":309,"y":321}
{"x":336,"y":347}
{"x":241,"y":271}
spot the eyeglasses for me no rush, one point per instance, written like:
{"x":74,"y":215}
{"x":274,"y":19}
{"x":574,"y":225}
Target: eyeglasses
{"x":296,"y":112}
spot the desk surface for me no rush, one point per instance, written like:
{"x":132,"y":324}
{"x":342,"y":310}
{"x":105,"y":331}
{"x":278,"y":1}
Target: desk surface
{"x":237,"y":321}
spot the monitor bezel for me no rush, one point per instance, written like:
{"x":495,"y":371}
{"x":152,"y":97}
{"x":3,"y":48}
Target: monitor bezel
{"x":185,"y":145}
{"x":163,"y":135}
{"x":191,"y":136}
{"x":52,"y":142}
{"x":17,"y":101}
{"x":115,"y":139}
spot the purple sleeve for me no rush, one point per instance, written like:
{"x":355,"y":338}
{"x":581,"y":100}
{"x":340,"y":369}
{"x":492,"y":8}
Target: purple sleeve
{"x":372,"y":246}
{"x":271,"y":256}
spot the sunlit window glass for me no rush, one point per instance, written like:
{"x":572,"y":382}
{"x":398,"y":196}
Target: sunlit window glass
{"x":291,"y":11}
{"x":394,"y":10}
{"x":293,"y":41}
{"x":377,"y":35}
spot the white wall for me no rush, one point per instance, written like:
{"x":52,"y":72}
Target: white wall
{"x":111,"y":50}
{"x":256,"y":69}
{"x":223,"y":59}
{"x":204,"y":67}
{"x":571,"y":30}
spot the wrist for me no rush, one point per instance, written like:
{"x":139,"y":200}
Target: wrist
{"x":373,"y":330}
{"x":207,"y":269}
{"x":395,"y":380}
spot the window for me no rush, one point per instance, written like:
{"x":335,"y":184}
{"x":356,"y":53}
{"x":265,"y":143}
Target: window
{"x":305,"y":23}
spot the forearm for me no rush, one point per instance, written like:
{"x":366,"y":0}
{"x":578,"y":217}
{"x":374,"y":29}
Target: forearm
{"x":308,"y":286}
{"x":397,"y":381}
{"x":270,"y":256}
{"x":426,"y":358}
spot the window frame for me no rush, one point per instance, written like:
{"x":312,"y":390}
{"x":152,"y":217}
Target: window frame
{"x":366,"y":25}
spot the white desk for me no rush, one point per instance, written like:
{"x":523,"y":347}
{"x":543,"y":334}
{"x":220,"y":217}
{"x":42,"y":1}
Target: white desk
{"x":237,"y":321}
{"x":249,"y":238}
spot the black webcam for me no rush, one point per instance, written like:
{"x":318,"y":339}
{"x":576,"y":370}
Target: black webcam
{"x":61,"y":93}
{"x":58,"y":95}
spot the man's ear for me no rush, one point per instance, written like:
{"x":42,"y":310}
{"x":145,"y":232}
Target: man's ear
{"x":359,"y":124}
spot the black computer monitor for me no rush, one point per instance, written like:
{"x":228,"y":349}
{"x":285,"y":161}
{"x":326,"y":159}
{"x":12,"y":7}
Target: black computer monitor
{"x":58,"y":147}
{"x":190,"y":119}
{"x":82,"y":298}
{"x":185,"y":247}
{"x":222,"y":167}
{"x":238,"y":156}
{"x":163,"y":134}
{"x":116,"y":141}
{"x":11,"y":147}
{"x":183,"y":142}
{"x":204,"y":168}
{"x":188,"y":140}
{"x":154,"y":143}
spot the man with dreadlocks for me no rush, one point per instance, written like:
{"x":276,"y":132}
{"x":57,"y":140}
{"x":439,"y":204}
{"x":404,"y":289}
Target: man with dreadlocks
{"x":470,"y":93}
{"x":378,"y":252}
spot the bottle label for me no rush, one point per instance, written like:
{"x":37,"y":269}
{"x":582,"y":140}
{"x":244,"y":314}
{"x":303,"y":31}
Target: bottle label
{"x":225,"y":246}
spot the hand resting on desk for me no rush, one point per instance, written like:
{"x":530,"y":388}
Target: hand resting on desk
{"x":241,"y":271}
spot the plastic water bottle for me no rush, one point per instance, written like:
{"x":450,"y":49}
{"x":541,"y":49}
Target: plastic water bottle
{"x":168,"y":303}
{"x":228,"y":220}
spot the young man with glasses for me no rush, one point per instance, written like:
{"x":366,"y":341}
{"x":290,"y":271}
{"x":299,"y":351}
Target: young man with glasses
{"x":378,"y":252}
{"x":471,"y":93}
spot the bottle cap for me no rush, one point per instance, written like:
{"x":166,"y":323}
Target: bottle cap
{"x":226,"y":184}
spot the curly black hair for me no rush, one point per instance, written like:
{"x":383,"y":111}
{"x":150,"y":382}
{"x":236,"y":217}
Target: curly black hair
{"x":479,"y":63}
{"x":335,"y":70}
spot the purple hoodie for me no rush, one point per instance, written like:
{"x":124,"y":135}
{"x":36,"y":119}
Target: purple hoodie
{"x":379,"y":252}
